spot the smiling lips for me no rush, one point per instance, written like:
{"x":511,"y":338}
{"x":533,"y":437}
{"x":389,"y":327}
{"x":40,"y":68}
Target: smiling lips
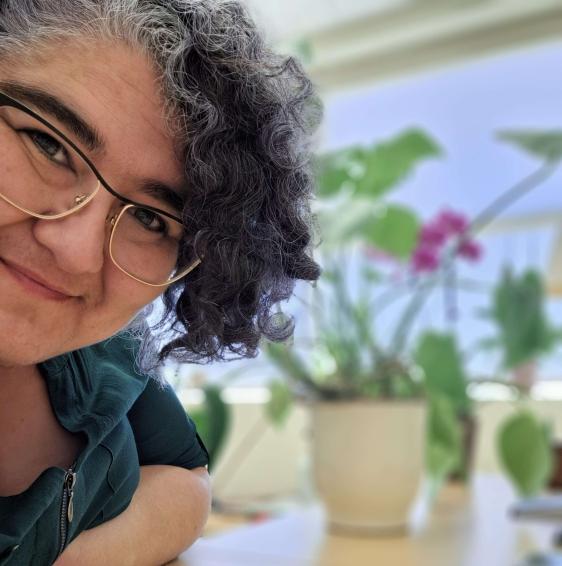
{"x":35,"y":283}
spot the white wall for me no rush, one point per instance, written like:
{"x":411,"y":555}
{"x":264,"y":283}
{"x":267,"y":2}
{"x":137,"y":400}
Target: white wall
{"x":277,"y":464}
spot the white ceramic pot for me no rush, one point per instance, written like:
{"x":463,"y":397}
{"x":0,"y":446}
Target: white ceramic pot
{"x":368,"y":462}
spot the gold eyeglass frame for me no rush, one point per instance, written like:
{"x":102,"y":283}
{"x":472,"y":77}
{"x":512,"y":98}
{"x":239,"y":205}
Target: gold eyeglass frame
{"x":82,"y":200}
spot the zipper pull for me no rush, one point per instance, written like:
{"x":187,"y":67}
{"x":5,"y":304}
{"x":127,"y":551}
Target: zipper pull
{"x":70,"y":480}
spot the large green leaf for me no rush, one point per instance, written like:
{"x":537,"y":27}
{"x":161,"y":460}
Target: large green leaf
{"x":372,"y":171}
{"x":391,"y":162}
{"x":394,"y":231}
{"x":441,"y":362}
{"x":525,"y":452}
{"x":546,"y":144}
{"x":341,"y":169}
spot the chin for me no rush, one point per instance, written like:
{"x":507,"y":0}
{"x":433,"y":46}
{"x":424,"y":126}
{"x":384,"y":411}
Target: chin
{"x":12,"y":358}
{"x":30,"y":337}
{"x":25,"y":342}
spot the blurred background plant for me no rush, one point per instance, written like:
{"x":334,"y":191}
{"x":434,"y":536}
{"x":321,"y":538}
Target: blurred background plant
{"x":212,"y":420}
{"x":524,"y":441}
{"x":524,"y":333}
{"x":377,"y":254}
{"x":524,"y":444}
{"x":400,"y":258}
{"x":212,"y":415}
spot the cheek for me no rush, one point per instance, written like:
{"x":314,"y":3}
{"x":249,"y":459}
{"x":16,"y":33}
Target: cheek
{"x":10,"y":215}
{"x":125,"y":297}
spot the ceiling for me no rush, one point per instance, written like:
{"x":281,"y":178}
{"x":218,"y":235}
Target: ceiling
{"x":312,"y":16}
{"x":355,"y":42}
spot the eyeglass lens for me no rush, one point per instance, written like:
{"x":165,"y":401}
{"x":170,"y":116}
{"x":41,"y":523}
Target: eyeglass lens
{"x":41,"y":174}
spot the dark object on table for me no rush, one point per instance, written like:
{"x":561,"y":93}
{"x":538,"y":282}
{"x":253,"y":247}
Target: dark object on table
{"x":556,"y":477}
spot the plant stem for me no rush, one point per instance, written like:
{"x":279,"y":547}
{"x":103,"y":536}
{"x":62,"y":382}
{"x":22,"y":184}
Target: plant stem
{"x":506,"y":199}
{"x":398,"y":340}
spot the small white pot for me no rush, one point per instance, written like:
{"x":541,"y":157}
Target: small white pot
{"x":368,"y":462}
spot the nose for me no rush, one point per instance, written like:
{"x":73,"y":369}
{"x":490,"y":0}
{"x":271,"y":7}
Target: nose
{"x":78,"y":241}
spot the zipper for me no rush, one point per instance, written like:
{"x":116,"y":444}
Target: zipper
{"x":67,"y":505}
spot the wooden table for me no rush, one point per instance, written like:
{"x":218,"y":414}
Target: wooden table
{"x":468,"y":526}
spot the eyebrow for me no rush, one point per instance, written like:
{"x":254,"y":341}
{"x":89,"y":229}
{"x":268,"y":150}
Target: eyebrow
{"x":89,"y":136}
{"x":164,"y":193}
{"x":50,"y":104}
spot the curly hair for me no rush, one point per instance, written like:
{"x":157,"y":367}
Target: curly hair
{"x":243,"y":117}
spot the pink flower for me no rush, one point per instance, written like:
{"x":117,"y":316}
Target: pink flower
{"x":471,"y":250}
{"x":432,"y":235}
{"x":425,"y":259}
{"x":452,"y":223}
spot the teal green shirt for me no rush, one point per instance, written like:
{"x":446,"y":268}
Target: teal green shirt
{"x":129,"y":420}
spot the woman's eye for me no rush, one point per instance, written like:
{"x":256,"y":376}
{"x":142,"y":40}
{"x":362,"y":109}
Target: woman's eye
{"x":150,"y":220}
{"x":51,"y":147}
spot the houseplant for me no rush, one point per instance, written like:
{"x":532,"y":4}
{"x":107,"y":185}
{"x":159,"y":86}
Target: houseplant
{"x":355,"y":380}
{"x":346,"y":362}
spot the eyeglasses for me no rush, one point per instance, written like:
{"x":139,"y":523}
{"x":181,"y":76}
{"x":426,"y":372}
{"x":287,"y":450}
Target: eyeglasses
{"x":45,"y":175}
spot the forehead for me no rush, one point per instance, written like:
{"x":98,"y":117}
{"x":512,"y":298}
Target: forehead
{"x":114,"y":87}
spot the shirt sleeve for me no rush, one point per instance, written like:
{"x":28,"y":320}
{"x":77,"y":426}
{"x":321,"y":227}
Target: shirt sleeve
{"x":164,"y":433}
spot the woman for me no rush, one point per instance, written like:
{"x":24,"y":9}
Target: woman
{"x":146,"y":148}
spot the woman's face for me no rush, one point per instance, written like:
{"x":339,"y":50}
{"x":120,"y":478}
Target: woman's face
{"x":114,"y":90}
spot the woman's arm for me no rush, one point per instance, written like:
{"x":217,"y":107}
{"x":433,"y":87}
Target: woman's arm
{"x":166,"y":515}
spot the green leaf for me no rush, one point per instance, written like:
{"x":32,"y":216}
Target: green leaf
{"x":438,"y":356}
{"x":395,"y":231}
{"x":374,"y":171}
{"x":340,"y":170}
{"x":519,"y":312}
{"x":444,"y":440}
{"x":525,"y":452}
{"x":546,"y":144}
{"x":390,"y":163}
{"x":199,"y":417}
{"x":291,"y":365}
{"x":212,"y":421}
{"x":280,"y":403}
{"x":488,"y":344}
{"x":286,"y":360}
{"x":339,"y":229}
{"x":371,"y":389}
